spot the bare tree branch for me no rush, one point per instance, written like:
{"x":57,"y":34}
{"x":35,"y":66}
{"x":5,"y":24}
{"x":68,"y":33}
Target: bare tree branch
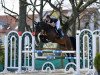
{"x":34,"y":6}
{"x":73,"y":5}
{"x":9,"y":10}
{"x":56,"y":7}
{"x":76,"y":11}
{"x":52,"y":5}
{"x":11,"y":15}
{"x":89,"y":2}
{"x":44,"y":4}
{"x":33,"y":21}
{"x":79,"y":4}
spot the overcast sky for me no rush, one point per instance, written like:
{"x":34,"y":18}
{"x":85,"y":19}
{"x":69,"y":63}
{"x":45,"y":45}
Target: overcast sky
{"x":14,"y":5}
{"x":10,"y":4}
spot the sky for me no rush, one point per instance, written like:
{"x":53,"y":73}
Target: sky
{"x":10,"y":4}
{"x":14,"y":6}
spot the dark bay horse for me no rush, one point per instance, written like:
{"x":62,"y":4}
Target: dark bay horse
{"x":52,"y":35}
{"x":68,"y":43}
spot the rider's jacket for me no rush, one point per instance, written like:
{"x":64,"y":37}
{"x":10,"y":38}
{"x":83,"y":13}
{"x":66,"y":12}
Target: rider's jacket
{"x":53,"y":20}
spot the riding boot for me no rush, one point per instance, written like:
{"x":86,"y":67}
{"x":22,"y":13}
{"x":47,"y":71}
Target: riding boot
{"x":60,"y":33}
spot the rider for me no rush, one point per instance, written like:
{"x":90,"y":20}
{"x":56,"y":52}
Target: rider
{"x":55,"y":23}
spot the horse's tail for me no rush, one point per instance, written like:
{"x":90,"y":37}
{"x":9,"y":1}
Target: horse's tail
{"x":73,"y":42}
{"x":68,"y":43}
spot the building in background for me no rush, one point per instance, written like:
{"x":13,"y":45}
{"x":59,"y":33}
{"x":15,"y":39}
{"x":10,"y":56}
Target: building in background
{"x":89,"y":19}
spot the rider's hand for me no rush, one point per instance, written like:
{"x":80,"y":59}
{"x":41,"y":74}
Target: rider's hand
{"x":52,"y":24}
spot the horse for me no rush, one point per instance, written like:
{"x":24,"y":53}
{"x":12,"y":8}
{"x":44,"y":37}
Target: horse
{"x":52,"y":35}
{"x":68,"y":43}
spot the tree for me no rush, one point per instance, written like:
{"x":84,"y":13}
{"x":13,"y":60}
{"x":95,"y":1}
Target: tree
{"x":22,"y":15}
{"x":78,"y":6}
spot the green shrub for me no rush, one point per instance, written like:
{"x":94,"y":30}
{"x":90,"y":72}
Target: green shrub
{"x":97,"y":62}
{"x":1,"y":55}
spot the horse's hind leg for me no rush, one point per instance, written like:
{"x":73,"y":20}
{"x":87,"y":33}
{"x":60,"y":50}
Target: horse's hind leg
{"x":73,"y":42}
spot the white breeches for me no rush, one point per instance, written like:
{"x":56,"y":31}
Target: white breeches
{"x":58,"y":26}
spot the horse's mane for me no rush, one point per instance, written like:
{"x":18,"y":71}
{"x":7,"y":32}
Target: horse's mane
{"x":46,"y":26}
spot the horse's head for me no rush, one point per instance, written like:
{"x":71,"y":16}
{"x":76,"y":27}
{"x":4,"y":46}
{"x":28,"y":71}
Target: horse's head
{"x":38,"y":27}
{"x":42,"y":26}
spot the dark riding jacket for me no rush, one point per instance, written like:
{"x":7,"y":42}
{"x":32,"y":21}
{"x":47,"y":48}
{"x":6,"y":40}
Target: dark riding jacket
{"x":53,"y":20}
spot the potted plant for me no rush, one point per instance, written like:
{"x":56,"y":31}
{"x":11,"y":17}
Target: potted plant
{"x":97,"y":63}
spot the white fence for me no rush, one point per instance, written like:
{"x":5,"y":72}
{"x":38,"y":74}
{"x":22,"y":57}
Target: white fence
{"x":18,"y":49}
